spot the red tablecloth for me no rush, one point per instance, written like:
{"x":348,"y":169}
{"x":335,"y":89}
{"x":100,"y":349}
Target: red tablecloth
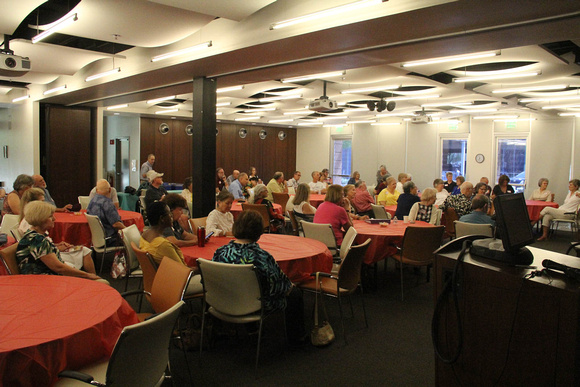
{"x":51,"y":323}
{"x":391,"y":210}
{"x":298,"y":257}
{"x":382,"y":238}
{"x":316,"y":199}
{"x":237,"y":209}
{"x":536,"y":206}
{"x":75,"y":230}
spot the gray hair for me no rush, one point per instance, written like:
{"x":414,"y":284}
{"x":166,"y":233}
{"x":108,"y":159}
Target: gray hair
{"x":258,"y":190}
{"x":542,"y":179}
{"x":22,"y":181}
{"x":408,"y":186}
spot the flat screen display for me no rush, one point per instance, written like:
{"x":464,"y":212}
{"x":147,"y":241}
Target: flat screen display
{"x":513,"y":221}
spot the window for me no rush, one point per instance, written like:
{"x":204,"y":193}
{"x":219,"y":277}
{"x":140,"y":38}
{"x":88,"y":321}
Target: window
{"x":511,"y":161}
{"x":453,"y":156}
{"x":341,"y":160}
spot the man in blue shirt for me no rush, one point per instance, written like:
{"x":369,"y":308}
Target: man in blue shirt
{"x":236,"y":188}
{"x":480,"y":206}
{"x":102,"y":206}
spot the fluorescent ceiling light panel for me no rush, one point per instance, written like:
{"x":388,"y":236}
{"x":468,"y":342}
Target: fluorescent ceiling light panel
{"x":54,"y":90}
{"x":385,"y":123}
{"x":157,"y":100}
{"x":468,"y":111}
{"x":496,"y":117}
{"x":313,"y":76}
{"x":361,"y":122}
{"x":532,"y":88}
{"x":220,"y":104}
{"x":279,"y":98}
{"x":451,"y":58}
{"x":284,"y":120}
{"x":367,"y":89}
{"x":67,"y":20}
{"x":259,"y":110}
{"x":167,"y":111}
{"x":104,"y":74}
{"x":248,"y":118}
{"x":577,"y":114}
{"x":219,"y":113}
{"x":549,"y":99}
{"x":231,"y":88}
{"x":573,"y":105}
{"x":182,"y":52}
{"x":517,"y":119}
{"x":117,"y":107}
{"x":325,"y":13}
{"x":492,"y":77}
{"x":21,"y":98}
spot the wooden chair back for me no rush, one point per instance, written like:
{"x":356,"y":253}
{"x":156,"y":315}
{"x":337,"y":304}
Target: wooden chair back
{"x":281,"y":199}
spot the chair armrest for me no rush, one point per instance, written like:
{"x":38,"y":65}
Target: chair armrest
{"x":322,"y":274}
{"x":134,"y":292}
{"x":85,"y":378}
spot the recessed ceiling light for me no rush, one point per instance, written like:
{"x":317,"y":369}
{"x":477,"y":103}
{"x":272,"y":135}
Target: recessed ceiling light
{"x":67,"y":20}
{"x":54,"y":90}
{"x":231,"y":88}
{"x":103,"y":74}
{"x":118,"y":107}
{"x":166,"y":111}
{"x":220,"y":104}
{"x":182,"y":52}
{"x":531,"y":88}
{"x":368,"y":89}
{"x":21,"y":98}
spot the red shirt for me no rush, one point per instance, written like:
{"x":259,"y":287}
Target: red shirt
{"x":336,"y":216}
{"x":362,"y":200}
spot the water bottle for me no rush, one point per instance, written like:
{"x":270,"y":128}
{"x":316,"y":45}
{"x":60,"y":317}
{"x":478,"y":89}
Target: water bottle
{"x":201,"y":236}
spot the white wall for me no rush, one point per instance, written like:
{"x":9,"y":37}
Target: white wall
{"x":117,"y":127}
{"x":415,"y":149}
{"x":18,"y":130}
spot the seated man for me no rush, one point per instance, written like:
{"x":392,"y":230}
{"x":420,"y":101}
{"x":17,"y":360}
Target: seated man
{"x":40,"y":183}
{"x":156,"y":191}
{"x":236,"y":188}
{"x":460,"y":203}
{"x":294,"y":182}
{"x":176,"y":234}
{"x":480,"y":206}
{"x":231,"y":178}
{"x":112,"y":195}
{"x":102,"y":206}
{"x":316,"y":186}
{"x":276,"y":184}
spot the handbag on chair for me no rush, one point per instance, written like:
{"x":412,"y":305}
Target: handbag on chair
{"x":321,"y":334}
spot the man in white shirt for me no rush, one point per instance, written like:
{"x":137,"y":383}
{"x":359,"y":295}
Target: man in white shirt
{"x":565,"y":211}
{"x":295,"y":180}
{"x":316,"y":186}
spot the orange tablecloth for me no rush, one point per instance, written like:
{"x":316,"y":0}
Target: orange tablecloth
{"x":316,"y":199}
{"x":297,"y":257}
{"x":382,"y":238}
{"x":51,"y":323}
{"x":237,"y":209}
{"x":536,"y":206}
{"x":75,"y":230}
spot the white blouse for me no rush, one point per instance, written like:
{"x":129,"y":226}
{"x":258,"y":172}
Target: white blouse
{"x":218,"y":222}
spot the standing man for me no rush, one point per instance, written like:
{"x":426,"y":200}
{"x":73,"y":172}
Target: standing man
{"x":40,"y":183}
{"x":102,"y":206}
{"x":146,"y":167}
{"x":236,"y":188}
{"x":156,"y":191}
{"x":294,"y":181}
{"x":276,"y":184}
{"x":382,"y":174}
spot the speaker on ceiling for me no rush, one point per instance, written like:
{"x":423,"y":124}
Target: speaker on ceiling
{"x":391,"y":106}
{"x":371,"y":105}
{"x":381,"y":105}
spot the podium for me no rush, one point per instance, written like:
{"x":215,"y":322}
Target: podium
{"x":516,"y":331}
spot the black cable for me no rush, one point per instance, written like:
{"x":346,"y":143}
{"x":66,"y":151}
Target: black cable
{"x":451,"y":286}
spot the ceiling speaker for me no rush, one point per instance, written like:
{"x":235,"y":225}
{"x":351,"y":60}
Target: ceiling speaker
{"x":371,"y":105}
{"x":381,"y":105}
{"x":391,"y":106}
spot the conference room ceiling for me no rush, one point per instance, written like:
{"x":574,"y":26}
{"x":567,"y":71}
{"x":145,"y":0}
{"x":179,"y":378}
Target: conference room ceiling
{"x":368,"y":48}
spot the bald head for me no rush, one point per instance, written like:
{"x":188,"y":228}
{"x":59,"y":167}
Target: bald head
{"x":467,"y":189}
{"x":39,"y":181}
{"x":103,"y":187}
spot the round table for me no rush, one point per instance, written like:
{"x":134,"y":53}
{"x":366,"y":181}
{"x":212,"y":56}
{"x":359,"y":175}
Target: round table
{"x":10,"y":242}
{"x":391,"y":209}
{"x":297,"y":257}
{"x":237,"y":208}
{"x":75,"y":230}
{"x":316,"y":199}
{"x":50,"y":323}
{"x":383,"y":239}
{"x":536,"y":206}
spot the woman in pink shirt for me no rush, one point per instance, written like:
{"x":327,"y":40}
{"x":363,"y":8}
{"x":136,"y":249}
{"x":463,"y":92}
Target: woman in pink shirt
{"x":332,"y":212}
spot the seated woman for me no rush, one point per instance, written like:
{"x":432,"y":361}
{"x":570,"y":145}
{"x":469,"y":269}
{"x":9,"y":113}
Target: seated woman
{"x":279,"y":292}
{"x":401,"y":180}
{"x":300,"y":203}
{"x":406,"y":200}
{"x":153,"y":241}
{"x":221,"y":181}
{"x":442,"y":193}
{"x":362,"y":199}
{"x":276,"y":220}
{"x":389,"y":195}
{"x":502,"y":187}
{"x":565,"y":211}
{"x":187,"y":190}
{"x":349,"y":193}
{"x":176,"y":233}
{"x":37,"y":254}
{"x":354,"y":178}
{"x":480,"y":189}
{"x":331,"y":211}
{"x":457,"y":189}
{"x":12,"y":200}
{"x":220,"y":221}
{"x":542,"y":193}
{"x":425,"y":210}
{"x":74,"y":256}
{"x":254,"y":173}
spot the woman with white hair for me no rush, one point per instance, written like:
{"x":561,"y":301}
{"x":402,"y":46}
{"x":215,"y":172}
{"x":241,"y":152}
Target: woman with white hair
{"x":425,"y":210}
{"x":542,"y":193}
{"x":276,"y":219}
{"x":37,"y":254}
